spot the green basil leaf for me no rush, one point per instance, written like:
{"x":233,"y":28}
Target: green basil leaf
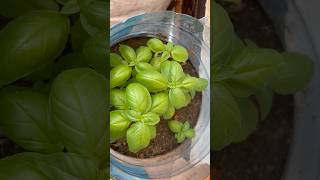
{"x":138,"y":137}
{"x":249,"y":119}
{"x":175,"y":126}
{"x":143,"y":66}
{"x":153,"y":131}
{"x":257,"y":68}
{"x":170,"y":112}
{"x":78,"y":36}
{"x":118,"y":99}
{"x":180,"y":137}
{"x":93,"y":16}
{"x":190,"y":133}
{"x":169,"y":46}
{"x":71,"y":7}
{"x":178,"y":98}
{"x":78,"y":104}
{"x":192,"y":94}
{"x":186,"y":126}
{"x":144,"y":54}
{"x":296,"y":72}
{"x":133,"y":115}
{"x":172,"y":71}
{"x":24,"y":118}
{"x":127,"y":53}
{"x":150,"y":118}
{"x":115,"y":60}
{"x":96,"y":55}
{"x":226,"y":117}
{"x":193,"y":83}
{"x":239,"y":89}
{"x":15,"y":8}
{"x":156,"y":45}
{"x":22,"y":40}
{"x":119,"y":75}
{"x":156,"y":63}
{"x":165,"y":56}
{"x":118,"y":124}
{"x":152,"y":80}
{"x":138,"y":97}
{"x":70,"y":61}
{"x":160,"y":103}
{"x":179,"y":53}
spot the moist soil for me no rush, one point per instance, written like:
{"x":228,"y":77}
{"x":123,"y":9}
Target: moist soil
{"x":164,"y":141}
{"x":263,"y":155}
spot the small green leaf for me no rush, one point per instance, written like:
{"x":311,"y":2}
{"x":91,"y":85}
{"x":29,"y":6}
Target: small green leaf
{"x":144,"y":54}
{"x":160,"y":103}
{"x":133,"y":115}
{"x":175,"y":126}
{"x":193,"y":83}
{"x":152,"y":80}
{"x":156,"y":45}
{"x":118,"y":124}
{"x":172,"y":71}
{"x":170,"y":112}
{"x":119,"y":75}
{"x":118,"y":99}
{"x":138,"y":97}
{"x":179,"y":53}
{"x":190,"y":133}
{"x":128,"y":53}
{"x":150,"y":118}
{"x":143,"y":66}
{"x":186,"y":126}
{"x":180,"y":137}
{"x":138,"y":137}
{"x":156,"y":63}
{"x":178,"y":98}
{"x":115,"y":60}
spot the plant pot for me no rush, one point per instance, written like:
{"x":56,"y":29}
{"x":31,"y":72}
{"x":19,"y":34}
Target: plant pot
{"x":192,"y":34}
{"x":297,"y":25}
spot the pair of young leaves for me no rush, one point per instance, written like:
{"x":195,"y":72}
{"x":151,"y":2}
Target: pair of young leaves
{"x":181,"y":130}
{"x":247,"y":71}
{"x":136,"y":116}
{"x":75,"y":110}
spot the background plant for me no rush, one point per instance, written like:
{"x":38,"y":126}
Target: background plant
{"x":53,"y":99}
{"x":244,"y":79}
{"x":155,"y":87}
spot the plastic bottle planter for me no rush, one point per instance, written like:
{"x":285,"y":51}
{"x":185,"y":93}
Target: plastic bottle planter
{"x":192,"y":34}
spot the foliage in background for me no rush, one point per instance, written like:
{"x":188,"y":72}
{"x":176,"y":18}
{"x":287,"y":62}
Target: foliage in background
{"x":244,"y":79}
{"x":53,"y":89}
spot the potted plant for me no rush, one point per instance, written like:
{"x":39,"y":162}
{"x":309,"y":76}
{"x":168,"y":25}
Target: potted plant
{"x":134,"y":43}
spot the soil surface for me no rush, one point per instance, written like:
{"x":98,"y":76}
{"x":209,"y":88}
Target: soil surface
{"x":164,"y":141}
{"x":263,"y":155}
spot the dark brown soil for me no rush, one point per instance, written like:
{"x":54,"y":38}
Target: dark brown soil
{"x":263,"y":155}
{"x":164,"y":141}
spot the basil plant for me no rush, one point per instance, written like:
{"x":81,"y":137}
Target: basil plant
{"x":244,"y":80}
{"x":53,"y":89}
{"x":146,"y":84}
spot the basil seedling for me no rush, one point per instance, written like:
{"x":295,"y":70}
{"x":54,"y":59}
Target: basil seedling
{"x":182,"y":130}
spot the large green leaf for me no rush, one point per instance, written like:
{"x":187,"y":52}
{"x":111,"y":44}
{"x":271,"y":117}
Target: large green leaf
{"x":152,"y":80}
{"x":119,"y":75}
{"x":118,"y":99}
{"x":225,"y":115}
{"x":58,"y":166}
{"x":138,"y":97}
{"x":178,"y":98}
{"x":15,"y":8}
{"x":160,"y":103}
{"x":30,"y":42}
{"x":138,"y":136}
{"x":119,"y":124}
{"x":295,"y":73}
{"x":78,"y":104}
{"x":25,"y":120}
